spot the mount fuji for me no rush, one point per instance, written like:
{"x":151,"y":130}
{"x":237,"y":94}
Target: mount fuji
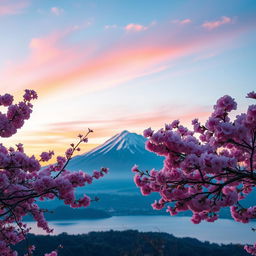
{"x":120,"y":153}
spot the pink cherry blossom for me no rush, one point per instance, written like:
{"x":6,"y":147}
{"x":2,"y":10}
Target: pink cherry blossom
{"x":207,"y":168}
{"x":251,"y":95}
{"x":23,"y":182}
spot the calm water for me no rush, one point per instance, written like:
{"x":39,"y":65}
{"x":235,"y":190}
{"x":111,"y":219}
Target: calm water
{"x":222,"y":231}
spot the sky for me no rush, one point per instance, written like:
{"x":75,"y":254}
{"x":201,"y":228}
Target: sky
{"x":122,"y":65}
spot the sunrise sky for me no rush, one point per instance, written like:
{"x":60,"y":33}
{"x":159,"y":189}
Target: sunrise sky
{"x":122,"y":64}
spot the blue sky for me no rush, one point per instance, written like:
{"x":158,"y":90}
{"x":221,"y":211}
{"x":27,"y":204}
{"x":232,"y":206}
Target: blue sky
{"x":114,"y":65}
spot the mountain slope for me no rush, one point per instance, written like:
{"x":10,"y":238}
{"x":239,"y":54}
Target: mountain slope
{"x":119,"y":154}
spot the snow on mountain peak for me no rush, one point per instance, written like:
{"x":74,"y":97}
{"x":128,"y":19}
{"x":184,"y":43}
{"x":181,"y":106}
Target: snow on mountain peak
{"x":119,"y":153}
{"x":125,"y":140}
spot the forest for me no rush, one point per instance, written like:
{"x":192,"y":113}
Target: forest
{"x":127,"y":243}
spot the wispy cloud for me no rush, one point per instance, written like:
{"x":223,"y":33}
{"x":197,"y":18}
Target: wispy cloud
{"x":182,"y":22}
{"x":11,"y":7}
{"x":135,"y":27}
{"x":57,"y":11}
{"x":56,"y":62}
{"x":132,"y":27}
{"x":217,"y":23}
{"x":59,"y":135}
{"x":155,"y":118}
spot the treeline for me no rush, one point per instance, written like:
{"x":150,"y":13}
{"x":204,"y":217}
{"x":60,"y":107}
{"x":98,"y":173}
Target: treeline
{"x":128,"y":243}
{"x":114,"y":205}
{"x":123,"y":205}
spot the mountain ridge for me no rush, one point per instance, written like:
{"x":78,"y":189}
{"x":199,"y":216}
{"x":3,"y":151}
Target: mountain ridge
{"x":121,"y":141}
{"x":119,"y":153}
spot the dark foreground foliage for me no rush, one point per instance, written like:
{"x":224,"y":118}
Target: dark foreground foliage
{"x":129,"y":243}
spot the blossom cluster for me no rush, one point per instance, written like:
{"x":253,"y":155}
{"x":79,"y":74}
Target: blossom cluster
{"x":16,"y":114}
{"x":206,"y":168}
{"x":23,"y":181}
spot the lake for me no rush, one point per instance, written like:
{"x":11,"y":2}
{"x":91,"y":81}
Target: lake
{"x":222,"y":231}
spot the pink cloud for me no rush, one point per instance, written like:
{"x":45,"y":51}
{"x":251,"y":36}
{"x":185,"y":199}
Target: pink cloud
{"x":12,"y":7}
{"x":44,"y":51}
{"x":54,"y":62}
{"x":56,"y":11}
{"x":132,"y":26}
{"x":135,"y":27}
{"x":155,"y":118}
{"x":182,"y":22}
{"x":54,"y":134}
{"x":108,"y":127}
{"x":217,"y":23}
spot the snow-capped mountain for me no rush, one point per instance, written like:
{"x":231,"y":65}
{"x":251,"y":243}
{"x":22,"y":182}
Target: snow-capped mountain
{"x":124,"y":141}
{"x":119,"y":154}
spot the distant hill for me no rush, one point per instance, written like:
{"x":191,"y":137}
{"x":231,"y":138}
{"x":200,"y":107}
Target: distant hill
{"x":119,"y":205}
{"x":68,"y":213}
{"x":128,"y":243}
